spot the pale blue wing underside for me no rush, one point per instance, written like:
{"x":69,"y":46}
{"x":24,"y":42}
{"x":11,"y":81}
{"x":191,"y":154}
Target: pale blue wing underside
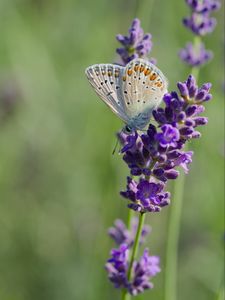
{"x":132,"y":92}
{"x":106,"y":80}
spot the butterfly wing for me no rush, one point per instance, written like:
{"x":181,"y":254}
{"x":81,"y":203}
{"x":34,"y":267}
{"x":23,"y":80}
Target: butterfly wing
{"x":106,"y":80}
{"x":143,"y":86}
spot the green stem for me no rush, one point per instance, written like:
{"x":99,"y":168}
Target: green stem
{"x":173,"y":238}
{"x":125,"y":294}
{"x":129,"y":218}
{"x":137,"y":8}
{"x":174,"y":221}
{"x":195,"y":70}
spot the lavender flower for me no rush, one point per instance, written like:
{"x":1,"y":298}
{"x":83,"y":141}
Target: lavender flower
{"x":195,"y":56}
{"x":121,"y":235}
{"x":200,"y":23}
{"x":145,"y":269}
{"x":155,"y":156}
{"x":136,"y":44}
{"x":118,"y":265}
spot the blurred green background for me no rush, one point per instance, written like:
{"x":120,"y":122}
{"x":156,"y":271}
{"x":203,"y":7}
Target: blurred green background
{"x":59,"y":182}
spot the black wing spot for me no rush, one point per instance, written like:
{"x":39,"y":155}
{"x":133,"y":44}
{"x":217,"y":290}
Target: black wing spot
{"x":143,"y":82}
{"x":125,"y":92}
{"x":109,"y":93}
{"x":117,"y":87}
{"x":144,"y":102}
{"x":138,"y":100}
{"x":128,"y":103}
{"x":135,"y":92}
{"x":139,"y":78}
{"x":106,"y":81}
{"x":111,"y":82}
{"x":135,"y":77}
{"x":153,"y":89}
{"x":99,"y":88}
{"x":129,"y":83}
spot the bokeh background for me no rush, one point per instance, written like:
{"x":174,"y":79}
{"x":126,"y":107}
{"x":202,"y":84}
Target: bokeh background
{"x":59,"y":182}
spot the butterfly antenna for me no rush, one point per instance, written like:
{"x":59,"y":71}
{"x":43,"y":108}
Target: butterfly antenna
{"x":116,"y":145}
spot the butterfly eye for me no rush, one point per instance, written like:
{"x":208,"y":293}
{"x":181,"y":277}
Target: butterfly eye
{"x":128,"y":129}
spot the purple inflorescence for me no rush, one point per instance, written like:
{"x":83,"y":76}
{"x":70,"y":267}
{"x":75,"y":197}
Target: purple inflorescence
{"x":195,"y":56}
{"x":146,"y":268}
{"x":120,"y":234}
{"x":200,"y":23}
{"x":118,"y":264}
{"x":136,"y":44}
{"x":153,"y":157}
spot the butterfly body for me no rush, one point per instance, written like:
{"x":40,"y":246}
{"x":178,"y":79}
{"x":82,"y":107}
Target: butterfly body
{"x":131,"y":92}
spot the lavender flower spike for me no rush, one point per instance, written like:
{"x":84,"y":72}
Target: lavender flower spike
{"x":195,"y":56}
{"x":136,"y":44}
{"x":158,"y":155}
{"x":143,"y":270}
{"x":200,"y":22}
{"x":120,"y":234}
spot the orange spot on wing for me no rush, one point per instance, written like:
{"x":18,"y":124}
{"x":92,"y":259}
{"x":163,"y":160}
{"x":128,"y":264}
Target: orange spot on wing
{"x":124,"y":78}
{"x":129,"y":72}
{"x":147,"y":72}
{"x":153,"y":76}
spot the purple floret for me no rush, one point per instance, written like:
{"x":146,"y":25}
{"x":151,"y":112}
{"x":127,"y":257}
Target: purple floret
{"x":136,"y":44}
{"x":195,"y":57}
{"x":156,"y":156}
{"x":142,"y":271}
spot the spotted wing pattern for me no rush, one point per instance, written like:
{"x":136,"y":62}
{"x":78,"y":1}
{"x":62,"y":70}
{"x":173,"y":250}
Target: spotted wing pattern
{"x":143,"y":87}
{"x":106,"y":80}
{"x":131,"y":92}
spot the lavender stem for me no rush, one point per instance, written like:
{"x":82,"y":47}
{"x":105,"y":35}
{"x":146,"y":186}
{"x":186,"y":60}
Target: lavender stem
{"x":195,"y":70}
{"x":125,"y":295}
{"x":173,"y":238}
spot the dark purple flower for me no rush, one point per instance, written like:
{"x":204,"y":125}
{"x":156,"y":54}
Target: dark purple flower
{"x":130,"y":141}
{"x":169,"y":136}
{"x":136,"y":44}
{"x":117,"y":266}
{"x":149,"y":196}
{"x":184,"y":160}
{"x":142,"y":270}
{"x":154,"y":156}
{"x":120,"y":234}
{"x":146,"y":268}
{"x":195,"y":56}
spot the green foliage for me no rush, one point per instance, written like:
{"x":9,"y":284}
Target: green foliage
{"x":59,"y":182}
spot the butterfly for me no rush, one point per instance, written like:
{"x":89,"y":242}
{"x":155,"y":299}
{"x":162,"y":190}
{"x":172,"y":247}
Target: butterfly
{"x":132,"y":92}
